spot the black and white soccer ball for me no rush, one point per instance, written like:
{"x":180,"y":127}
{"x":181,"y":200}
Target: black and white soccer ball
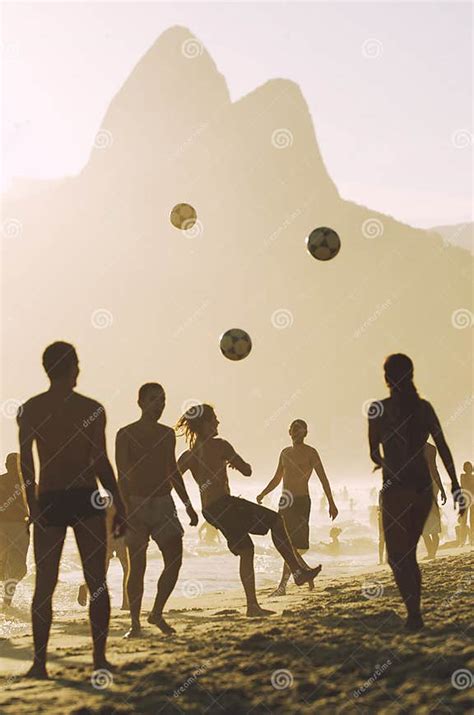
{"x":183,"y":216}
{"x":235,"y":344}
{"x":323,"y":243}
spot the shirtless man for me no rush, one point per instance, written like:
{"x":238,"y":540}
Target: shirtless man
{"x":69,"y":431}
{"x":207,"y":459}
{"x":14,"y":534}
{"x":147,"y":472}
{"x":432,"y":527}
{"x":295,"y":466}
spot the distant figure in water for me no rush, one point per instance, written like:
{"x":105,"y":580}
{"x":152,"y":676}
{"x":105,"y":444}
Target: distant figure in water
{"x":351,"y":504}
{"x":322,"y":504}
{"x":345,"y":494}
{"x":14,"y":533}
{"x":115,"y":547}
{"x":432,"y":527}
{"x":209,"y":534}
{"x":334,"y":546}
{"x":467,"y":486}
{"x":401,"y":425}
{"x":207,"y":458}
{"x":295,"y":466}
{"x":69,"y":431}
{"x":147,"y":473}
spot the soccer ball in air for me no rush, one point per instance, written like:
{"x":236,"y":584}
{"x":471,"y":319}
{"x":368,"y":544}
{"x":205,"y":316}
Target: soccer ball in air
{"x":235,"y":344}
{"x":183,"y":216}
{"x":323,"y":243}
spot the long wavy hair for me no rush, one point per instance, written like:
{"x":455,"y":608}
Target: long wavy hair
{"x":398,"y":369}
{"x":191,"y":423}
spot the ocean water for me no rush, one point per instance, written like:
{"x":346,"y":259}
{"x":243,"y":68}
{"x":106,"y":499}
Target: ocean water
{"x":211,"y":569}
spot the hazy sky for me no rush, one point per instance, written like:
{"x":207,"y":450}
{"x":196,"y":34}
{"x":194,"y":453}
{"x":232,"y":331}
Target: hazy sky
{"x":389,"y":86}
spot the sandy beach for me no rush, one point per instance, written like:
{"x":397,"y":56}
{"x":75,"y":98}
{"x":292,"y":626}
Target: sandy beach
{"x":341,"y":648}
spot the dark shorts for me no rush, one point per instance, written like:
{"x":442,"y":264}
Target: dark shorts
{"x":153,"y":517}
{"x":236,"y":518}
{"x":296,"y":518}
{"x":14,"y":542}
{"x":69,"y":506}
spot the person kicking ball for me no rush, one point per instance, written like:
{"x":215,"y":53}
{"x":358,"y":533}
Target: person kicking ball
{"x":207,"y":459}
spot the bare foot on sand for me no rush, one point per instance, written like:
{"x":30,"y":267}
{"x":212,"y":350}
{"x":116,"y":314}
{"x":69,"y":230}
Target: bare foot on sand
{"x":311,"y":585}
{"x":38,"y":672}
{"x":414,"y":623}
{"x":104,"y":665}
{"x":302,"y":577}
{"x":157,"y":620}
{"x":257,"y":612}
{"x":280,"y":591}
{"x":133,"y":632}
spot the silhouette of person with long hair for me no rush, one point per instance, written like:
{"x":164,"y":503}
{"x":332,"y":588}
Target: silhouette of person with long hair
{"x":432,"y":527}
{"x":69,"y":432}
{"x":147,"y":473}
{"x":401,"y":425}
{"x":207,"y":458}
{"x":296,"y":464}
{"x":14,"y":533}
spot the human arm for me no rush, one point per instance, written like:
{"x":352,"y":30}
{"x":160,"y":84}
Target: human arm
{"x":320,"y":471}
{"x":105,"y":473}
{"x":431,"y":458}
{"x":178,"y":483}
{"x":27,"y":465}
{"x":234,"y":460}
{"x":374,"y":441}
{"x":446,"y":457}
{"x":274,"y":482}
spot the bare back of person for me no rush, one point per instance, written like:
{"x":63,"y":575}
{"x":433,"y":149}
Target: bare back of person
{"x":62,"y":425}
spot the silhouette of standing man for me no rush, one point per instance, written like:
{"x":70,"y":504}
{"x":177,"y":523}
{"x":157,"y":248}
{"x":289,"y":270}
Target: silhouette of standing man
{"x":69,"y":432}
